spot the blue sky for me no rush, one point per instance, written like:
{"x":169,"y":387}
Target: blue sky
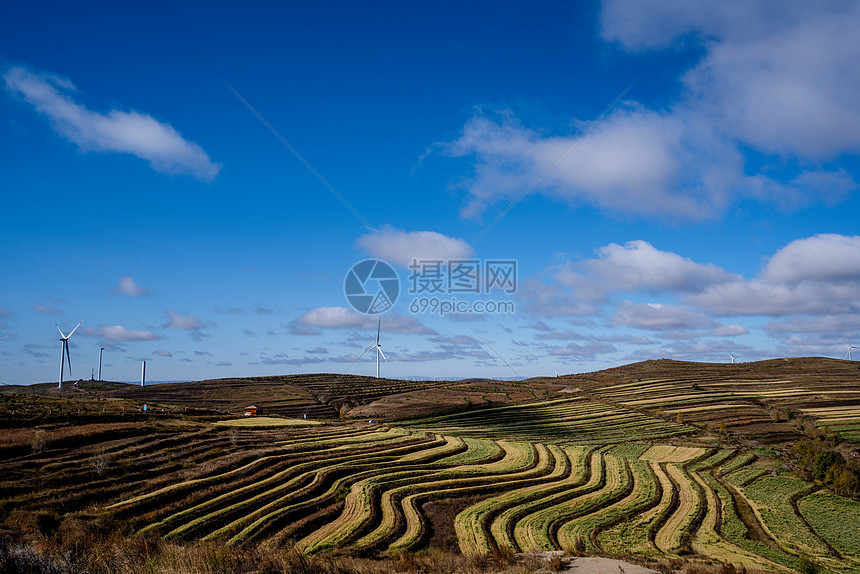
{"x":712,"y":210}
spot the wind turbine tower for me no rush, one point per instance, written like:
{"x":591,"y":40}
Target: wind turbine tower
{"x":100,"y":362}
{"x":378,"y":348}
{"x":64,"y":350}
{"x":850,"y":348}
{"x":142,"y":373}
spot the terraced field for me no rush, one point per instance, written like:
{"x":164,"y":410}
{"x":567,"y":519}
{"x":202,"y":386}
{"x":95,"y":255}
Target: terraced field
{"x":364,"y":488}
{"x":768,"y":407}
{"x":607,"y":469}
{"x":577,"y":420}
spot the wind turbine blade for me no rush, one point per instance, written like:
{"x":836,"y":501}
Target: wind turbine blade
{"x":378,"y":327}
{"x":75,"y":329}
{"x":381,"y":353}
{"x":68,"y":356}
{"x":60,"y":330}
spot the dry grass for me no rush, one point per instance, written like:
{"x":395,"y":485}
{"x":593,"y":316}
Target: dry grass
{"x":78,"y":550}
{"x":266,"y":422}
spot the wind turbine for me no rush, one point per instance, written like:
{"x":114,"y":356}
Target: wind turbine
{"x":64,"y":350}
{"x":378,"y":348}
{"x":6,"y":337}
{"x":733,"y":357}
{"x":850,"y":346}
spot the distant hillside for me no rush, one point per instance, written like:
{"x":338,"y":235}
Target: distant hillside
{"x":769,"y":401}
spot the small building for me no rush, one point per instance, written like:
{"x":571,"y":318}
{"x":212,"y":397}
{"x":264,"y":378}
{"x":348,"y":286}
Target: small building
{"x":251,"y":411}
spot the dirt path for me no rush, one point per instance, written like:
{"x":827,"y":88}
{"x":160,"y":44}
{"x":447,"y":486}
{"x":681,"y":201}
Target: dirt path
{"x":596,"y":565}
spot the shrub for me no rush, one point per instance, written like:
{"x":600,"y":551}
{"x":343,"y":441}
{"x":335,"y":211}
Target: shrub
{"x":100,"y":461}
{"x":823,"y":462}
{"x":40,"y":441}
{"x":557,"y":563}
{"x":807,"y":566}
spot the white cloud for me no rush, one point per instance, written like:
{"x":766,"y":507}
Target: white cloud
{"x":187,"y":322}
{"x":312,"y":322}
{"x":632,"y":161}
{"x":636,"y":266}
{"x":114,"y":131}
{"x":834,"y":325}
{"x":401,"y":247}
{"x":639,"y":265}
{"x":127,"y":286}
{"x":817,"y":275}
{"x":335,"y":318}
{"x":119,"y":333}
{"x":404,"y":325}
{"x":660,"y":317}
{"x":825,"y":257}
{"x":777,"y":78}
{"x":779,"y":75}
{"x":731,"y":330}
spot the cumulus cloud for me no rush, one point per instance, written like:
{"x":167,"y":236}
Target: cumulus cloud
{"x":187,"y":322}
{"x":824,"y":257}
{"x":127,"y":286}
{"x":404,"y":325}
{"x":778,"y":75}
{"x":840,"y":326}
{"x":633,"y":161}
{"x":113,"y":131}
{"x":335,"y":318}
{"x":810,"y":287}
{"x":777,"y":78}
{"x":731,"y":330}
{"x":578,"y":288}
{"x":315,"y":320}
{"x":673,"y":321}
{"x":119,"y":333}
{"x":639,"y":265}
{"x":817,"y":275}
{"x":401,"y":247}
{"x":660,"y":317}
